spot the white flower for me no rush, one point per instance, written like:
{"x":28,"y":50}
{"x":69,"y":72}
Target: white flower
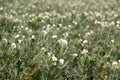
{"x":54,"y":63}
{"x":69,"y":26}
{"x":62,"y":42}
{"x":75,"y":55}
{"x":19,"y":41}
{"x":30,"y":30}
{"x":4,"y":39}
{"x":61,"y":61}
{"x":75,"y":23}
{"x":115,"y":64}
{"x":79,"y":34}
{"x":14,"y":27}
{"x":53,"y":25}
{"x":13,"y":45}
{"x":85,"y":13}
{"x":45,"y":32}
{"x":49,"y":55}
{"x":54,"y":36}
{"x":1,"y":8}
{"x":85,"y":51}
{"x":80,"y":40}
{"x":118,"y":22}
{"x":26,"y":28}
{"x":97,"y":14}
{"x":112,"y":41}
{"x":107,"y":63}
{"x":23,"y":36}
{"x":60,"y":25}
{"x":89,"y":33}
{"x":54,"y":58}
{"x":66,"y":34}
{"x":17,"y":36}
{"x":33,"y":37}
{"x":48,"y":25}
{"x":22,"y":26}
{"x":85,"y":41}
{"x":43,"y":49}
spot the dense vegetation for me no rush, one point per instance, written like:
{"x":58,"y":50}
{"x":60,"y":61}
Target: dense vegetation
{"x":59,"y":39}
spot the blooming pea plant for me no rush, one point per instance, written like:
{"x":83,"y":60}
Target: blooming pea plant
{"x":59,"y":39}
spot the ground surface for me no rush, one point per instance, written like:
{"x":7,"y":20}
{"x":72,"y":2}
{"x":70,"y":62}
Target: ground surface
{"x":59,"y":39}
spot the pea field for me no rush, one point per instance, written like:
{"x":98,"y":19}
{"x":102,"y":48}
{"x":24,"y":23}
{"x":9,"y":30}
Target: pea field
{"x":59,"y":39}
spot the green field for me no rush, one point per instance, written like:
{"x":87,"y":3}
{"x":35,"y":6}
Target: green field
{"x":59,"y":39}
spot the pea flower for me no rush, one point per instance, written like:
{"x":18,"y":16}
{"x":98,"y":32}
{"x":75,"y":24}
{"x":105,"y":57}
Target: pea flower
{"x":17,"y":36}
{"x":19,"y":41}
{"x":85,"y":41}
{"x":54,"y":36}
{"x":61,"y":61}
{"x":62,"y":41}
{"x":75,"y":55}
{"x":112,"y":41}
{"x":4,"y":39}
{"x":54,"y":58}
{"x":115,"y":64}
{"x":85,"y":51}
{"x":33,"y":37}
{"x":13,"y":45}
{"x":54,"y":63}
